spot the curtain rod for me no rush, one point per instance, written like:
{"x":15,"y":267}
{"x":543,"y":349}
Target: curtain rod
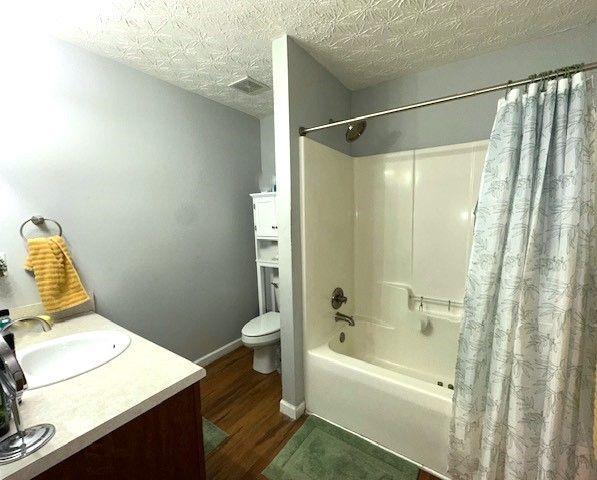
{"x":532,"y":79}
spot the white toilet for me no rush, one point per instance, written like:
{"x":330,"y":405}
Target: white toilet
{"x":262,"y":334}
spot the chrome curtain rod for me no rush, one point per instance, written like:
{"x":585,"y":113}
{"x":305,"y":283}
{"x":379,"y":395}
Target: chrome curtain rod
{"x":472,"y":93}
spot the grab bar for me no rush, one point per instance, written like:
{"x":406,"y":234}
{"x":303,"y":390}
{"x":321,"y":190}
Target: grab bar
{"x":435,"y":301}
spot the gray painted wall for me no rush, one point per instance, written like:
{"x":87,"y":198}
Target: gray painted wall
{"x":151,"y":185}
{"x":463,"y":120}
{"x":304,"y":93}
{"x":268,"y":157}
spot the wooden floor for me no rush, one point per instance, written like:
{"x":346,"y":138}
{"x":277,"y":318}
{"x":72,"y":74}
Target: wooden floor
{"x":246,"y":405}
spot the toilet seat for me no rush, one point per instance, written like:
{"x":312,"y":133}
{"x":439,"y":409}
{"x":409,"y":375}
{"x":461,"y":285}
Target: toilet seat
{"x":262,"y":325}
{"x":262,"y":330}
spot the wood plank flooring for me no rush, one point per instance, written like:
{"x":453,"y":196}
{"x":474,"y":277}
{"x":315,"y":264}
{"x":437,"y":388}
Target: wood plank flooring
{"x":246,"y":405}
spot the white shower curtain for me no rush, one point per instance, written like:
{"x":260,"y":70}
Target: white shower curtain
{"x":525,"y":375}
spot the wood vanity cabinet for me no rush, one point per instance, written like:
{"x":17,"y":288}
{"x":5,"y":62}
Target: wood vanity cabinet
{"x":164,"y":443}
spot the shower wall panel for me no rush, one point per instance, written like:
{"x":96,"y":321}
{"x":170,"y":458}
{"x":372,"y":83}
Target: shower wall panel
{"x":414,"y":222}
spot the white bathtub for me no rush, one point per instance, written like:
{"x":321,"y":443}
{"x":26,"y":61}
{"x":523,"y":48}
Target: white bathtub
{"x":381,"y":383}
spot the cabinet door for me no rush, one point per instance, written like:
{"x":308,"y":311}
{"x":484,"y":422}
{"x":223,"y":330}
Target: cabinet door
{"x":266,"y":224}
{"x":170,"y":441}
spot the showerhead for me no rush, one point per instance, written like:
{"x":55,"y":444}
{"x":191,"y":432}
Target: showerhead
{"x":355,"y":130}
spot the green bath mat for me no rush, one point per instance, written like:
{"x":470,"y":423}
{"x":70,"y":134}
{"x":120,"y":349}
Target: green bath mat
{"x":321,"y":451}
{"x":212,"y":436}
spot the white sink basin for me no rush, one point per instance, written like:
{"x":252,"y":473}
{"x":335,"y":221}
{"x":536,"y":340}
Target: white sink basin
{"x":66,"y":357}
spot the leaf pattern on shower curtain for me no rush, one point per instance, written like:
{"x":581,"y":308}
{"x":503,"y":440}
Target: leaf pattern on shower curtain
{"x":525,"y":385}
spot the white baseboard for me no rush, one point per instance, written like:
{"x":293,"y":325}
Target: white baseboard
{"x":293,"y":412}
{"x":220,"y":352}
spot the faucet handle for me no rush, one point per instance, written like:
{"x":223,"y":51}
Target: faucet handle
{"x":338,"y":298}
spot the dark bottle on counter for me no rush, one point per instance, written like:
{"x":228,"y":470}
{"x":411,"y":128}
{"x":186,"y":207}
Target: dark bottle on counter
{"x":4,"y":416}
{"x":4,"y":423}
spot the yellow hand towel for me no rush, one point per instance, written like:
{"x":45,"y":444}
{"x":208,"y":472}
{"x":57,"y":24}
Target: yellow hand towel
{"x":58,"y":282}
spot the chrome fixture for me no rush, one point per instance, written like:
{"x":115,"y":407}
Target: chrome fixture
{"x":45,"y":325}
{"x":338,"y":298}
{"x":342,"y":337}
{"x":9,"y":358}
{"x":436,"y":301}
{"x":38,"y":220}
{"x":355,"y":130}
{"x":494,"y":88}
{"x":12,"y":381}
{"x":340,"y":317}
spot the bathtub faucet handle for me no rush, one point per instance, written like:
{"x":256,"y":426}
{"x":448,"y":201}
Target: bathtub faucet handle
{"x":338,"y":298}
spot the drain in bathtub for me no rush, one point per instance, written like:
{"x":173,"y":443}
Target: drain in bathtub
{"x":342,"y":337}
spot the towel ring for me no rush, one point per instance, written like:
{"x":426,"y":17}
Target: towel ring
{"x":39,"y":220}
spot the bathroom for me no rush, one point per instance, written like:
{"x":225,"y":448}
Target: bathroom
{"x":181,"y":161}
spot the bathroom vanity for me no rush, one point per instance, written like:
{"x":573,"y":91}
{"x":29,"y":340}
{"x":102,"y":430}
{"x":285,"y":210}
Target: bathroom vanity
{"x":137,"y":416}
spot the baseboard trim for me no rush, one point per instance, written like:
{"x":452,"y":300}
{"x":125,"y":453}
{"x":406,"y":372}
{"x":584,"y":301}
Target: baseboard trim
{"x":294,"y":412}
{"x":205,"y":360}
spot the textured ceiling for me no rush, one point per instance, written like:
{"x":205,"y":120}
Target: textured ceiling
{"x":203,"y":45}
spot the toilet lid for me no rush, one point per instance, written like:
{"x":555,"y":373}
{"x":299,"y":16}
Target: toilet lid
{"x":262,"y":325}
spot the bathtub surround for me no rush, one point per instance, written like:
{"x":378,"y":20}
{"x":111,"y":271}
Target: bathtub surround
{"x":150,"y":183}
{"x":321,"y":450}
{"x":304,"y":92}
{"x":372,"y":223}
{"x":360,"y":225}
{"x":413,"y":219}
{"x":523,"y":404}
{"x":327,"y":223}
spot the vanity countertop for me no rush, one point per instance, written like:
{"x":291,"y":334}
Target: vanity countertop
{"x":85,"y":408}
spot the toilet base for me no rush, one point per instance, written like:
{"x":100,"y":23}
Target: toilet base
{"x":265,"y":359}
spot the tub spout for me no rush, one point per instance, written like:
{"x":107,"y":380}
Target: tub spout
{"x":340,"y":317}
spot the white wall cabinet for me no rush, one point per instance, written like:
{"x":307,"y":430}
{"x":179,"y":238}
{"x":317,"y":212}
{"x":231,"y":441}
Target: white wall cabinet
{"x":264,"y":215}
{"x":266,"y":247}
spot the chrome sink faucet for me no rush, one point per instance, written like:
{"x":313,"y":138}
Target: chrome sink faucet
{"x":8,"y":357}
{"x":340,"y":317}
{"x":46,"y":326}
